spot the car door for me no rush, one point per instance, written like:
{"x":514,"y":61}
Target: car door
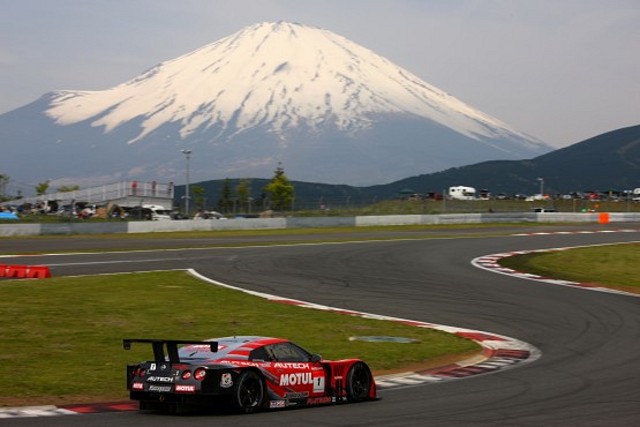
{"x":296,"y":371}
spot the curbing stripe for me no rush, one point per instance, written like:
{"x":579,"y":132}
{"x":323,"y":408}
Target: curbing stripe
{"x":504,"y":352}
{"x":491,"y":263}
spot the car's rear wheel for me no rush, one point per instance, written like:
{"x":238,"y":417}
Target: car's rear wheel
{"x":358,"y":382}
{"x":248,"y":393}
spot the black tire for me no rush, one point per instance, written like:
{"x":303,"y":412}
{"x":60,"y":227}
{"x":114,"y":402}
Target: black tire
{"x":248,"y":392}
{"x":358,"y":382}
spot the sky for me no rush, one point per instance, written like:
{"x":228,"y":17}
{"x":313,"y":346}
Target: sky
{"x":560,"y":70}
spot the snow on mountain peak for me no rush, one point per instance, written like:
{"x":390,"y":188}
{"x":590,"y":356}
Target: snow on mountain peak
{"x":277,"y":74}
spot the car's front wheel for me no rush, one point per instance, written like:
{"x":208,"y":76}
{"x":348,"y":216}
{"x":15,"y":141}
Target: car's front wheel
{"x":248,"y":393}
{"x":358,"y":382}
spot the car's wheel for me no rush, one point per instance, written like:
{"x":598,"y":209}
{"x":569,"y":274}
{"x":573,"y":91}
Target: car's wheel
{"x":358,"y":382}
{"x":248,"y":393}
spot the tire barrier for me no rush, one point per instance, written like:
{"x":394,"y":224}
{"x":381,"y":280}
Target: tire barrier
{"x":24,"y":272}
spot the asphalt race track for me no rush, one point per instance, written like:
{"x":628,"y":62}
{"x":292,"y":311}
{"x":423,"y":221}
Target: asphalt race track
{"x":588,"y":375}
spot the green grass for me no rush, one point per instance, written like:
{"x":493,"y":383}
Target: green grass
{"x":61,"y":338}
{"x":612,"y":265}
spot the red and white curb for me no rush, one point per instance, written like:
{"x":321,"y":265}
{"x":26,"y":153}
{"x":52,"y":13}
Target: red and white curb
{"x":51,"y":410}
{"x":498,"y":352}
{"x":33,"y":411}
{"x":492,"y":263}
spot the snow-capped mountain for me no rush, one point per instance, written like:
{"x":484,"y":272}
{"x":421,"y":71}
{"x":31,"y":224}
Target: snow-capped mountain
{"x":330,"y":110}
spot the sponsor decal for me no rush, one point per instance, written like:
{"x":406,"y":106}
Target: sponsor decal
{"x":160,"y":388}
{"x":299,"y":395}
{"x":296,"y":379}
{"x":185,"y":388}
{"x":137,"y":386}
{"x":277,"y":404}
{"x":205,"y":347}
{"x":152,"y":367}
{"x":319,"y":400}
{"x":160,"y":379}
{"x":291,"y":365}
{"x":238,"y":362}
{"x":226,"y":380}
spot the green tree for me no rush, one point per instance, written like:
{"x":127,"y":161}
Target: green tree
{"x":68,"y":188}
{"x":280,"y":189}
{"x":243,"y":191}
{"x":199,"y":195}
{"x":4,"y":180}
{"x":225,"y":201}
{"x":42,"y":188}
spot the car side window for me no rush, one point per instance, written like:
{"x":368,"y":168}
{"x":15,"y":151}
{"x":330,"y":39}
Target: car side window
{"x":260,"y":353}
{"x":288,"y":352}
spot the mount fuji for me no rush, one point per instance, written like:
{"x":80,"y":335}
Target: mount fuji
{"x":324,"y":107}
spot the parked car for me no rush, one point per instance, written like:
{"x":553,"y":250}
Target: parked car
{"x":138,"y":212}
{"x":202,"y":214}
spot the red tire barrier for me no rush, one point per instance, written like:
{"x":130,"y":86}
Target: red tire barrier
{"x":16,"y":271}
{"x":38,"y":272}
{"x":24,"y":271}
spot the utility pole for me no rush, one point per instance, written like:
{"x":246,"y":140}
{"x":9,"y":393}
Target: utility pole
{"x":187,"y":154}
{"x":541,"y":187}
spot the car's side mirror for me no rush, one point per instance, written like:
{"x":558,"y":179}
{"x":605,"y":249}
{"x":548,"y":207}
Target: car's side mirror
{"x":315,"y":358}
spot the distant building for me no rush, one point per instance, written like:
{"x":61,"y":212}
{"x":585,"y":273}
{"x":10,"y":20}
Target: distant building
{"x":461,"y":192}
{"x":125,"y":194}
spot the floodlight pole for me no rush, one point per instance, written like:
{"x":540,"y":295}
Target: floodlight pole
{"x":187,"y":154}
{"x":541,"y":187}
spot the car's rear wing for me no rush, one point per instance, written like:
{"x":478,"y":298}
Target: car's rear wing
{"x":163,"y":348}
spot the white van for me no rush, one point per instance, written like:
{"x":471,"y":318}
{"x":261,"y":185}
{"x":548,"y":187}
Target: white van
{"x":159,"y":213}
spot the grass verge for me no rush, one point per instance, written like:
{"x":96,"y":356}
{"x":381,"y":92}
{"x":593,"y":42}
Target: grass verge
{"x":61,"y":338}
{"x":615,"y":266}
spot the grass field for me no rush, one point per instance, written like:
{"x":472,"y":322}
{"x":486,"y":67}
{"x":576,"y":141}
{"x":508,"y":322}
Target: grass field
{"x":61,"y":338}
{"x":616,"y":266}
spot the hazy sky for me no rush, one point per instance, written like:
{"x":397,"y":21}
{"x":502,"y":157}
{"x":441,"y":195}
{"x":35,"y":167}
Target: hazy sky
{"x":560,"y":70}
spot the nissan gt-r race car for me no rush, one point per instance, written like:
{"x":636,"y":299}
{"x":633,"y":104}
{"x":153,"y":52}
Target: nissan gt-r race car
{"x":249,"y":373}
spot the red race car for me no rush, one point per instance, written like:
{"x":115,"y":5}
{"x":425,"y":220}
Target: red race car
{"x":249,"y":373}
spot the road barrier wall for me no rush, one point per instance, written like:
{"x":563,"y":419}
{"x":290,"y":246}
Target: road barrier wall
{"x":9,"y":230}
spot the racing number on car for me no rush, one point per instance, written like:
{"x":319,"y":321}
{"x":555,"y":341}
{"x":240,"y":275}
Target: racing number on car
{"x":318,"y":382}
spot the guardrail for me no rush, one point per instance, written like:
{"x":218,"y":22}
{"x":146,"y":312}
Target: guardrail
{"x":7,"y":230}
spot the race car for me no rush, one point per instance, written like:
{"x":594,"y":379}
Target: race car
{"x":247,"y":373}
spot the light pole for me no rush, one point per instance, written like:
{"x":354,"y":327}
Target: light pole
{"x":541,"y":187}
{"x":187,"y":154}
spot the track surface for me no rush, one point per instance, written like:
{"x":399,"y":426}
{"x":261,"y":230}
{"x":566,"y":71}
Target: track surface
{"x":588,"y":374}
